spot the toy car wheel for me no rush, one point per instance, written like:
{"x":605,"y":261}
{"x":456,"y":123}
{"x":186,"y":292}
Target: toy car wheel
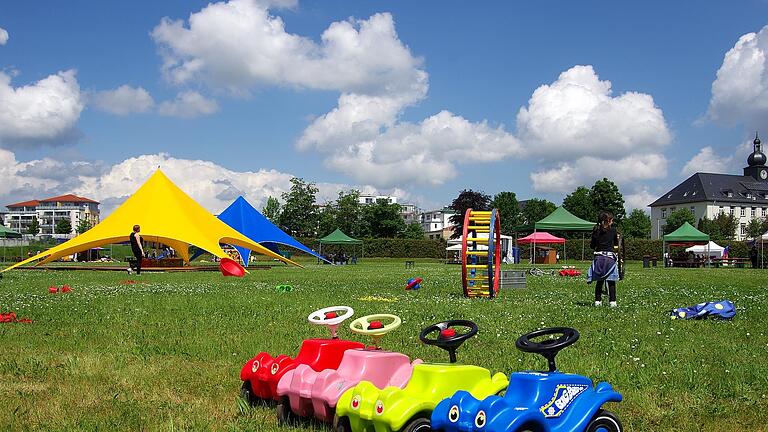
{"x":284,"y":413}
{"x":418,"y":424}
{"x":605,"y":421}
{"x":531,"y":428}
{"x":246,"y":392}
{"x":341,"y":424}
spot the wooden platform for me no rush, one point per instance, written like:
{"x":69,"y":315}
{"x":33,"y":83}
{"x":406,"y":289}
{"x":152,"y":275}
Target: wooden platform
{"x":143,"y":270}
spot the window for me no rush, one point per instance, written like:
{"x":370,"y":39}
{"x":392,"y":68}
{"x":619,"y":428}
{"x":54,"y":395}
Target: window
{"x":743,"y":212}
{"x":754,"y":212}
{"x":730,"y":194}
{"x":693,"y":209}
{"x":732,"y":211}
{"x":743,"y":229}
{"x":721,"y":210}
{"x":369,"y":200}
{"x":663,"y":213}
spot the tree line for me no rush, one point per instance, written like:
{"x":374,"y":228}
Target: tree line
{"x":585,"y":203}
{"x":299,"y":215}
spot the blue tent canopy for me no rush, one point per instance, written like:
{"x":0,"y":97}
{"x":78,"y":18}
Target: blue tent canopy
{"x":241,"y":216}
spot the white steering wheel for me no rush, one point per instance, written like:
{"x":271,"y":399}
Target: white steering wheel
{"x":330,"y":317}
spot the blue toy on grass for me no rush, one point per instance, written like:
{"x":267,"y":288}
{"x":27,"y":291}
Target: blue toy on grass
{"x":535,"y":401}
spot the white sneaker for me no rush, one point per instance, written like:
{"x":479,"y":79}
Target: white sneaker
{"x":598,"y":303}
{"x":129,"y":271}
{"x":613,"y":304}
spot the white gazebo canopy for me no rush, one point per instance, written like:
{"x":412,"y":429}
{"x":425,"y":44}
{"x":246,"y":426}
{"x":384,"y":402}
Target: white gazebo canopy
{"x":714,"y":249}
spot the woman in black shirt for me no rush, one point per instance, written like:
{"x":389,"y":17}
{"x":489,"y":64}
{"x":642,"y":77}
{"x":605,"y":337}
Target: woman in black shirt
{"x":605,"y":263}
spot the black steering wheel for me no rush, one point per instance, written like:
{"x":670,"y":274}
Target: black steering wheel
{"x":448,"y":338}
{"x":548,"y":347}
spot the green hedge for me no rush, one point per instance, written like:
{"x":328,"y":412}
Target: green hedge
{"x":636,"y":249}
{"x":387,"y":248}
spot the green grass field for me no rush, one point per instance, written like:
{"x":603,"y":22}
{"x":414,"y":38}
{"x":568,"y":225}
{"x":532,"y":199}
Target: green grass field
{"x":165,"y":354}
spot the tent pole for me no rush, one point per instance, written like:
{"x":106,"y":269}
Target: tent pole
{"x":582,"y":246}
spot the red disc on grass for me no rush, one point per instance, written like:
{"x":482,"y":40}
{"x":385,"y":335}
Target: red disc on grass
{"x":447,"y":333}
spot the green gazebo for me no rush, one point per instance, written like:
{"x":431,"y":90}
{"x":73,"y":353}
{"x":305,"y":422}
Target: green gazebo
{"x":686,"y":235}
{"x":339,"y":238}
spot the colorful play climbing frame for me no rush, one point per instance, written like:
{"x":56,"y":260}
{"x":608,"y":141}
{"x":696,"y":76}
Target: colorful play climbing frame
{"x":480,"y":257}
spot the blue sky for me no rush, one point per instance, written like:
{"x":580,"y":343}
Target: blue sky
{"x":481,"y":65}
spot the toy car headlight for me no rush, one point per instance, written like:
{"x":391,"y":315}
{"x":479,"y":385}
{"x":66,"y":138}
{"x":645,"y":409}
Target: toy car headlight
{"x":275,"y":368}
{"x":379,"y":407}
{"x":355,"y":402}
{"x":255,"y":366}
{"x":480,"y":419}
{"x":453,"y":414}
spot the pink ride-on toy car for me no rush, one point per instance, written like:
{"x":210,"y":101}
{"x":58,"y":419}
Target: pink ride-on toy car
{"x":304,"y":392}
{"x":261,"y":374}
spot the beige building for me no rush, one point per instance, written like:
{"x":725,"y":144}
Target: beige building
{"x":708,"y":194}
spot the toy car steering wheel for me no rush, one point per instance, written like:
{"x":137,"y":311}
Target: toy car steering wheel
{"x":330,"y":317}
{"x":548,"y":347}
{"x":448,"y":338}
{"x":372,"y":325}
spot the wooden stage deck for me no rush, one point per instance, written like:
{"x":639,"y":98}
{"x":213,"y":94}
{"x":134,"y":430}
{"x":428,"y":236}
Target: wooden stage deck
{"x":143,"y":269}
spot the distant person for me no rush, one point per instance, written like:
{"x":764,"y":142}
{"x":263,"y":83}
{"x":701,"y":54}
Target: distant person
{"x":753,"y":256}
{"x":138,"y":250}
{"x":605,"y":262}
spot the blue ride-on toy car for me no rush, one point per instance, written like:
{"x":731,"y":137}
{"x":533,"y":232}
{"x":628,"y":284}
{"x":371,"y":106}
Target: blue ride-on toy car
{"x":535,"y":401}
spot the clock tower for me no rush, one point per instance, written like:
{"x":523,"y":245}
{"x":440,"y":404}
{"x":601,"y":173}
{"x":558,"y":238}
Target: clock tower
{"x":756,"y":163}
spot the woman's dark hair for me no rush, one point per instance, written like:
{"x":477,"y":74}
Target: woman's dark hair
{"x":603,"y":219}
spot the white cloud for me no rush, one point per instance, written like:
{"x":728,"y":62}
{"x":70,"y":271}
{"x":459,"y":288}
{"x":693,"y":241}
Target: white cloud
{"x":188,"y":104}
{"x":42,"y":112}
{"x":707,"y":161}
{"x":586,"y":170}
{"x":577,"y":115}
{"x":740,"y":91}
{"x":210,"y":184}
{"x":239,"y":45}
{"x":123,"y":100}
{"x":3,"y":36}
{"x":639,"y":199}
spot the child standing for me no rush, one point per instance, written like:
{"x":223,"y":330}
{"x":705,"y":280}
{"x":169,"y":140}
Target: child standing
{"x":605,"y":263}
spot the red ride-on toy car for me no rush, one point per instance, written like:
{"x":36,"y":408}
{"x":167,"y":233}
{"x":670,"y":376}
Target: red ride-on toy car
{"x":261,"y":374}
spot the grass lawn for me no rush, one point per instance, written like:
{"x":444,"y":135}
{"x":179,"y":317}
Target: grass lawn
{"x":166,"y":353}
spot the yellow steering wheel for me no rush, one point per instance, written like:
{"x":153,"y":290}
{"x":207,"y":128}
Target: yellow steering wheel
{"x":375,"y":326}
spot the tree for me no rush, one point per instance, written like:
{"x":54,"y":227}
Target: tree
{"x":579,"y":203}
{"x":636,"y":225}
{"x":509,"y":210}
{"x":413,"y":231}
{"x":605,"y":196}
{"x":327,"y":220}
{"x":299,"y":215}
{"x":64,"y":226}
{"x":271,"y":210}
{"x":34,"y":227}
{"x":537,"y":209}
{"x":722,"y":227}
{"x":349,"y":213}
{"x":383,"y":220}
{"x":755,"y":228}
{"x":83,"y":226}
{"x":467,"y":199}
{"x":677,"y":218}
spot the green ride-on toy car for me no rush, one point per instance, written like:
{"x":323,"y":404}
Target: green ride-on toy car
{"x":366,"y":408}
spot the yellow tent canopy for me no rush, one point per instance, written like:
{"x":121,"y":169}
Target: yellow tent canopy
{"x":166,"y":215}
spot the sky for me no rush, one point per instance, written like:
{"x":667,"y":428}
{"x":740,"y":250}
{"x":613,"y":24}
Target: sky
{"x":416,"y":99}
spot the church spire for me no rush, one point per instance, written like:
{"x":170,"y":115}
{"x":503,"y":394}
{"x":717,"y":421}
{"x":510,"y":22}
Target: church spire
{"x":757,"y":158}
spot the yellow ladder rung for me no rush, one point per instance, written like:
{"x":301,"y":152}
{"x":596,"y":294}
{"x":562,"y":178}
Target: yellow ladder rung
{"x":477,"y":252}
{"x":485,"y":228}
{"x":478,"y":239}
{"x":480,"y":212}
{"x":477,"y":266}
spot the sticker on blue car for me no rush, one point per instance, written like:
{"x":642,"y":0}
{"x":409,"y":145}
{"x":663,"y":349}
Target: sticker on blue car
{"x":561,"y":399}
